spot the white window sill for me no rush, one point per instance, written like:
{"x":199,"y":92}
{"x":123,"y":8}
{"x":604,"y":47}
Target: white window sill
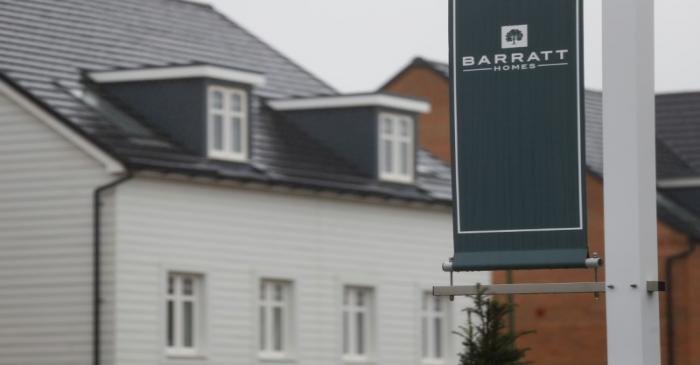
{"x":432,"y":361}
{"x":184,"y":355}
{"x":357,"y":360}
{"x":223,"y":156}
{"x":397,"y":179}
{"x":276,"y":358}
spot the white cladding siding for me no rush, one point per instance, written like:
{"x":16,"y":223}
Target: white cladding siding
{"x":235,"y":237}
{"x":45,"y":243}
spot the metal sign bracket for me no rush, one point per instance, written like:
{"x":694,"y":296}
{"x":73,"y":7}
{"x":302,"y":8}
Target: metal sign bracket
{"x":539,"y":288}
{"x":595,"y":287}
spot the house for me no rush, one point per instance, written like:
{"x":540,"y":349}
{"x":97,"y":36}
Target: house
{"x":571,"y":328}
{"x":176,"y":191}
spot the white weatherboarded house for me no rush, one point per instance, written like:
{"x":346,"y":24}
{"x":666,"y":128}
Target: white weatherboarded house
{"x":175,"y":191}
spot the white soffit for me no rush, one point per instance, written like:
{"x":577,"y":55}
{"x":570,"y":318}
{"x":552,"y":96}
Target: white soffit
{"x":180,"y":72}
{"x":352,"y":101}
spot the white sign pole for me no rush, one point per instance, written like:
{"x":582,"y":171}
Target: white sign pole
{"x":630,"y":182}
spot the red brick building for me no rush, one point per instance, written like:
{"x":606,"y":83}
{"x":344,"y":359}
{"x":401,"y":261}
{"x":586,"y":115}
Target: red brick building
{"x":570,"y":329}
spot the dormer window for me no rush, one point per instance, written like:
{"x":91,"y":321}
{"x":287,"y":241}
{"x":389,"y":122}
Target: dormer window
{"x":204,"y":108}
{"x":396,"y":147}
{"x":375,"y":132}
{"x":227,"y":123}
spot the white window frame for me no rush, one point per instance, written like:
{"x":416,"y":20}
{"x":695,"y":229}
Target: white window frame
{"x":348,"y":324}
{"x":179,"y":298}
{"x":227,"y":114}
{"x":266,"y":333}
{"x":428,"y":333}
{"x":393,"y":172}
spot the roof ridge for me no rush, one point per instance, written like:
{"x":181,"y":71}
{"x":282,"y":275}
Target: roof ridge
{"x":418,"y":59}
{"x":202,"y":3}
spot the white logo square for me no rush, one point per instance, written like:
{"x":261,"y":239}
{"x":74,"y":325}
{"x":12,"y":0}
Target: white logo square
{"x":514,"y":36}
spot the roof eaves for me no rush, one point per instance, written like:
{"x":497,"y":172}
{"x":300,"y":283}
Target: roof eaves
{"x":301,"y":183}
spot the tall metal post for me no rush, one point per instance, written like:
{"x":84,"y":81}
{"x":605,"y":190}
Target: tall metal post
{"x":630,"y":182}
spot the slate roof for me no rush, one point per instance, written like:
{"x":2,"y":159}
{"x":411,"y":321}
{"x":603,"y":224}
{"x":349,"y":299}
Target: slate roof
{"x":46,"y":45}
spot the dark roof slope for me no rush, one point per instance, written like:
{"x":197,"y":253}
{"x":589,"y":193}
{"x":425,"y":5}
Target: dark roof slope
{"x":46,"y":45}
{"x":678,"y":126}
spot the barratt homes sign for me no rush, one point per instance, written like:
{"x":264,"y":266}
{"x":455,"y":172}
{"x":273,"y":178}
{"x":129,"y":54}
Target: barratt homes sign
{"x":518,"y":134}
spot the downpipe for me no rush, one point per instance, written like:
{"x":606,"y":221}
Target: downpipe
{"x":97,"y":264}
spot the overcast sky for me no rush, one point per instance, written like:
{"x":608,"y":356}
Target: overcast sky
{"x":356,"y":45}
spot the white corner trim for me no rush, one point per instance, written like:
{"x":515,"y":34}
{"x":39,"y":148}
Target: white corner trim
{"x":180,"y":72}
{"x":350,"y":101}
{"x":678,"y":183}
{"x":111,"y":165}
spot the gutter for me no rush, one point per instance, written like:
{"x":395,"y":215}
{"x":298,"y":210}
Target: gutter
{"x":97,"y":265}
{"x":679,"y":183}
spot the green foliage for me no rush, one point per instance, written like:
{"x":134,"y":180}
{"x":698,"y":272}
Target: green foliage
{"x":485,"y":338}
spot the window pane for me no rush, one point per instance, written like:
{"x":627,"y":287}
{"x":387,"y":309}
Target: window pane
{"x":188,"y":286}
{"x":279,"y":292}
{"x":346,"y":333}
{"x":388,"y":156}
{"x":404,"y":127}
{"x":188,"y":324}
{"x":387,"y":126}
{"x":404,"y":158}
{"x":278,"y":329}
{"x":360,"y":298}
{"x":171,"y":323}
{"x":218,"y":132}
{"x":236,"y":102}
{"x":236,"y":137}
{"x":263,"y":329}
{"x":217,"y":100}
{"x":360,"y":333}
{"x":438,"y":338}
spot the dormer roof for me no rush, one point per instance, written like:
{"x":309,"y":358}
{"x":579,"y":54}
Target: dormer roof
{"x":372,"y":100}
{"x":253,"y":78}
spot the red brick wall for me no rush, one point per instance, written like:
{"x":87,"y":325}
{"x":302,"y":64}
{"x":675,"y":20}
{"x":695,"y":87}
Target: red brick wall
{"x":570,"y":328}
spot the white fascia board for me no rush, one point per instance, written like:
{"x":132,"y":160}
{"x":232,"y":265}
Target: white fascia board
{"x":678,"y":183}
{"x":180,"y":72}
{"x":111,"y":165}
{"x":352,"y":101}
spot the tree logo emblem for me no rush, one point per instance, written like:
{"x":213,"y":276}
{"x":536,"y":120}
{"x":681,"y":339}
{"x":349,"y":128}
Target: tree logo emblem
{"x":514,"y":36}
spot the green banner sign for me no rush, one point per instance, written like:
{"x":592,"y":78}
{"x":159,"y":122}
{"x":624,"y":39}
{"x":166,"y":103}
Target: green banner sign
{"x":518,"y":134}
